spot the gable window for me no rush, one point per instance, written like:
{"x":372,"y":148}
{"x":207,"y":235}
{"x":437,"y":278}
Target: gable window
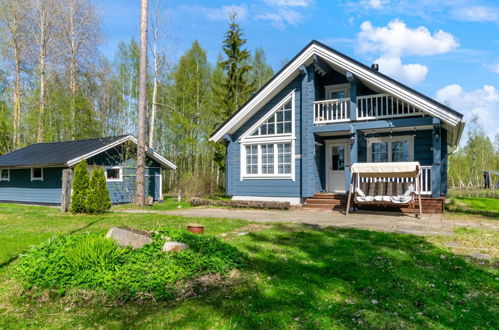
{"x":280,"y":121}
{"x":390,"y":149}
{"x":4,"y":174}
{"x":37,"y":174}
{"x":114,"y":174}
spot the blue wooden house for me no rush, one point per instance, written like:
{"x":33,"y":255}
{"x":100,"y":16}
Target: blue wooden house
{"x":297,"y":136}
{"x":33,"y":174}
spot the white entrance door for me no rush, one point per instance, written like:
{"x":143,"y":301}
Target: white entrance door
{"x":337,"y":156}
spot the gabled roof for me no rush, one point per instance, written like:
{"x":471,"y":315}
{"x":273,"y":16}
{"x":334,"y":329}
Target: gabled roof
{"x":69,"y":153}
{"x":451,"y":118}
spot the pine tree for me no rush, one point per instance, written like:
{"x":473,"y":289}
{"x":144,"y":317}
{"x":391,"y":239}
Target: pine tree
{"x":98,"y":200}
{"x":236,"y":67}
{"x":80,"y":188}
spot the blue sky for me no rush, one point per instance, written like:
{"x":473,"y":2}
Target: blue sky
{"x":448,"y":50}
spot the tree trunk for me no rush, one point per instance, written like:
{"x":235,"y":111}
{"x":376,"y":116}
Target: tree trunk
{"x":17,"y":100}
{"x":41,"y":115}
{"x":142,"y":116}
{"x":154,"y":97}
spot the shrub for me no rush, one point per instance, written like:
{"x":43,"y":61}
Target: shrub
{"x":98,"y":200}
{"x":89,"y":261}
{"x":80,"y":188}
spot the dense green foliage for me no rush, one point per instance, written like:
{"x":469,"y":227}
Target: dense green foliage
{"x":81,"y":183}
{"x":475,"y":205}
{"x":90,"y":261}
{"x":98,"y":200}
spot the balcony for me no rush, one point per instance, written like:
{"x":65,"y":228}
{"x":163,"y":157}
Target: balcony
{"x":369,"y":107}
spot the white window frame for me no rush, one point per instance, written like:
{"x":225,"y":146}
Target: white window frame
{"x":120,"y":168}
{"x":275,"y":175}
{"x":34,"y":178}
{"x":337,"y":88}
{"x":389,"y":140}
{"x":7,"y":179}
{"x":248,"y":139}
{"x":247,"y":136}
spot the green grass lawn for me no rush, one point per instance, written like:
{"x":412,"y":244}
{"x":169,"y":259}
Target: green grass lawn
{"x":169,"y":203}
{"x":298,"y":277}
{"x":475,"y":205}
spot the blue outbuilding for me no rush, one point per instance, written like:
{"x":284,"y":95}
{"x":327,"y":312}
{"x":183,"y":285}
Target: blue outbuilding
{"x":33,"y":174}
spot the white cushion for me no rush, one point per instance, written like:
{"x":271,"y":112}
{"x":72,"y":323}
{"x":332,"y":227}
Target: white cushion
{"x":387,"y":199}
{"x":401,"y":199}
{"x":409,"y":190}
{"x":360,"y":192}
{"x":378,"y":198}
{"x":363,"y":199}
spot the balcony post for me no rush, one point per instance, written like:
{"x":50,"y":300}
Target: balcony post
{"x":353,"y":95}
{"x":436,"y":173}
{"x":354,"y":142}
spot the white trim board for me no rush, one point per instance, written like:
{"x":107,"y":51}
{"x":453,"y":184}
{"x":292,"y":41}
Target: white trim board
{"x":291,"y":200}
{"x":365,"y":74}
{"x":149,"y":152}
{"x":7,"y":179}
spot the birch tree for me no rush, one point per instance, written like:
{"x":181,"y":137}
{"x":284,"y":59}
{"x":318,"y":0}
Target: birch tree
{"x":41,"y":26}
{"x":13,"y":20}
{"x":80,"y":37}
{"x":142,"y":111}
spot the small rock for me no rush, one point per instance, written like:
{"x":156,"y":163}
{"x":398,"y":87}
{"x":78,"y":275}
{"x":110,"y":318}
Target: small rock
{"x":480,"y":256}
{"x":374,"y":301}
{"x":129,"y":237}
{"x":442,"y":257}
{"x":297,"y":319}
{"x":179,"y":206}
{"x":174,"y":247}
{"x":149,"y":201}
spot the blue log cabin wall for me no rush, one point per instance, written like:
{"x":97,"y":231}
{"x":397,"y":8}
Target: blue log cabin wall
{"x":265,"y":187}
{"x":20,"y":188}
{"x":310,"y":145}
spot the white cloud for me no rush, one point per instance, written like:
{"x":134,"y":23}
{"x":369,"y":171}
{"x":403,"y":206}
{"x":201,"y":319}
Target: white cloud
{"x":476,"y":14}
{"x":494,"y":67}
{"x":483,"y":102}
{"x":221,"y":13}
{"x":281,"y":18}
{"x":411,"y":74}
{"x":396,"y":39}
{"x":376,"y":4}
{"x":289,"y":3}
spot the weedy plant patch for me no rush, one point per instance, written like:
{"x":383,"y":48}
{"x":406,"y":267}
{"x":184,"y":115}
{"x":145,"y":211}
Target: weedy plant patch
{"x":89,"y":261}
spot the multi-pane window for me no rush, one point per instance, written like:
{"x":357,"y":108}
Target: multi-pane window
{"x":393,"y":149}
{"x":284,"y":158}
{"x":281,"y":122}
{"x":113,"y":174}
{"x":380,"y":152}
{"x":400,"y":151}
{"x":252,"y":159}
{"x":268,"y":159}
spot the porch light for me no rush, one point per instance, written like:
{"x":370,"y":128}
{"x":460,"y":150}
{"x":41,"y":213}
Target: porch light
{"x":352,"y":135}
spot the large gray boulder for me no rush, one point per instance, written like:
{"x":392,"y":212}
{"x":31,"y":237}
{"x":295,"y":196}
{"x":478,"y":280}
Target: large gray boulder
{"x":129,"y":237}
{"x":174,"y":247}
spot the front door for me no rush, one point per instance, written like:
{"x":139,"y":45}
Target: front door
{"x":336,"y":160}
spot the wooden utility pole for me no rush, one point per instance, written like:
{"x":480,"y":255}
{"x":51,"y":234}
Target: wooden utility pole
{"x":142,"y":116}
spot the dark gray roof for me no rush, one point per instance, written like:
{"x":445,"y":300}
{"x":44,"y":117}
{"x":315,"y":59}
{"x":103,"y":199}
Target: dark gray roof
{"x":55,"y":153}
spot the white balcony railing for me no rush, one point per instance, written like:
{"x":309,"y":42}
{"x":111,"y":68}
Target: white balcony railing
{"x":331,"y":111}
{"x":383,"y":106}
{"x":425,"y":180}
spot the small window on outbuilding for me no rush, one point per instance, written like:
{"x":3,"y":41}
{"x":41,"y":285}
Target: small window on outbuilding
{"x":4,"y":174}
{"x":113,"y":174}
{"x":37,"y":174}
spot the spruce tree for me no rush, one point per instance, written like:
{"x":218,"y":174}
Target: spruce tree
{"x":236,"y":67}
{"x":98,"y":200}
{"x":80,"y":188}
